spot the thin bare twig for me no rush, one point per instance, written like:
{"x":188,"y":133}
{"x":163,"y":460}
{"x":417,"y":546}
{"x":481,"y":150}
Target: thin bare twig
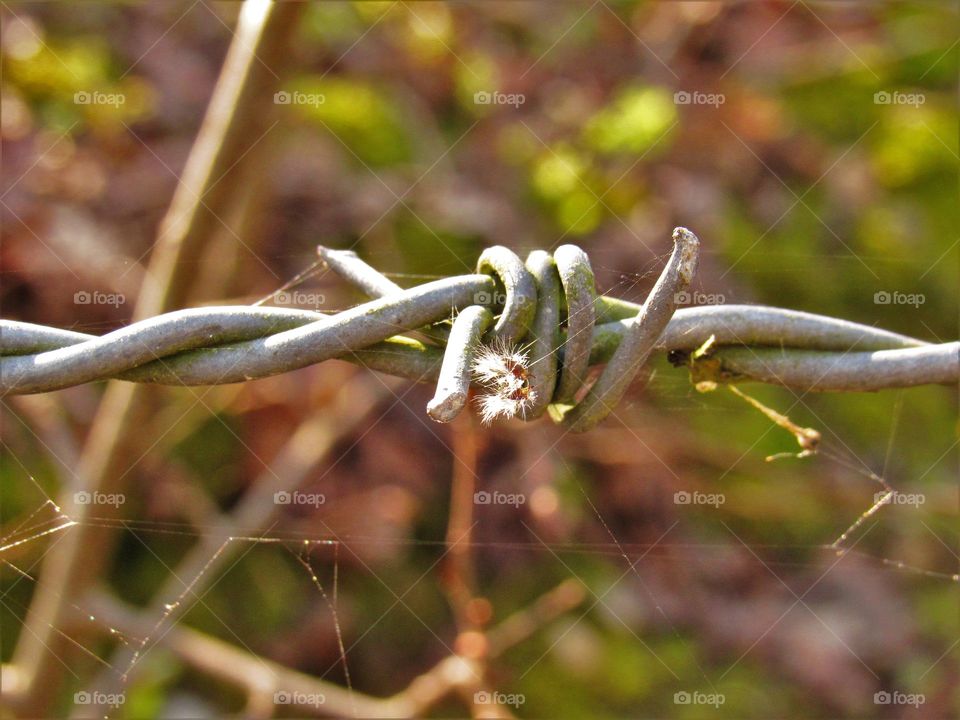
{"x":253,"y":515}
{"x":259,"y":675}
{"x":235,"y":114}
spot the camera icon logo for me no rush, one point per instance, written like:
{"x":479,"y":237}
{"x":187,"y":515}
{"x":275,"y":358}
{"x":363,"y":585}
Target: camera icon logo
{"x":282,"y":497}
{"x":482,"y":98}
{"x":482,"y":498}
{"x":881,"y":297}
{"x":681,"y":698}
{"x":82,"y":498}
{"x":882,"y":98}
{"x":82,"y":698}
{"x":81,"y":98}
{"x":482,"y":697}
{"x":282,"y":97}
{"x":282,"y":697}
{"x":682,"y":97}
{"x":681,"y":497}
{"x":82,"y":297}
{"x":682,"y":298}
{"x":881,"y":698}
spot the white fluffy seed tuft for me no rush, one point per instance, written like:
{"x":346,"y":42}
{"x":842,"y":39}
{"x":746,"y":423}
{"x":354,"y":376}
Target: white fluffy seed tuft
{"x":503,"y":371}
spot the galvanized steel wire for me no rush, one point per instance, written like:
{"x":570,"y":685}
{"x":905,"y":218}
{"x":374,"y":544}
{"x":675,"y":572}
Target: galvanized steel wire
{"x":547,"y":304}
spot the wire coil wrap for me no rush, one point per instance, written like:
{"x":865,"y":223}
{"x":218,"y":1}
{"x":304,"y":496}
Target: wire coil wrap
{"x":547,"y":305}
{"x":534,"y":294}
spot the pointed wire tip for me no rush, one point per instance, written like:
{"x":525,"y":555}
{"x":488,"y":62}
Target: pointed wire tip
{"x":689,"y":245}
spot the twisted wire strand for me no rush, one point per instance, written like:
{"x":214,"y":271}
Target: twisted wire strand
{"x":533,"y":301}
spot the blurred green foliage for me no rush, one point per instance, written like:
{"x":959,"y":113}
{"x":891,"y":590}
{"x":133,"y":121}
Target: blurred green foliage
{"x":807,"y":194}
{"x":364,"y":118}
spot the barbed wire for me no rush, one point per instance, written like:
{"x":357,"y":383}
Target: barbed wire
{"x":546,"y":306}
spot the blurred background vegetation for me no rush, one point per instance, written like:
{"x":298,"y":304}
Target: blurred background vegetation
{"x":807,"y":193}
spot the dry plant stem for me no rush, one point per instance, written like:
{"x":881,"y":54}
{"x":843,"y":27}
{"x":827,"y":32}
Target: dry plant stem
{"x":459,"y":571}
{"x":255,"y":674}
{"x":234,"y":118}
{"x":807,"y":438}
{"x":492,"y":711}
{"x":46,"y":416}
{"x":638,"y":342}
{"x":467,"y":677}
{"x":542,"y":343}
{"x":237,"y":667}
{"x":524,"y":623}
{"x":576,"y":278}
{"x":254,"y":515}
{"x":453,"y":385}
{"x":518,"y":627}
{"x":12,"y":683}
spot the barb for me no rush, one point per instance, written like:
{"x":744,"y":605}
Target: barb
{"x":643,"y":332}
{"x":453,"y":385}
{"x":548,"y":304}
